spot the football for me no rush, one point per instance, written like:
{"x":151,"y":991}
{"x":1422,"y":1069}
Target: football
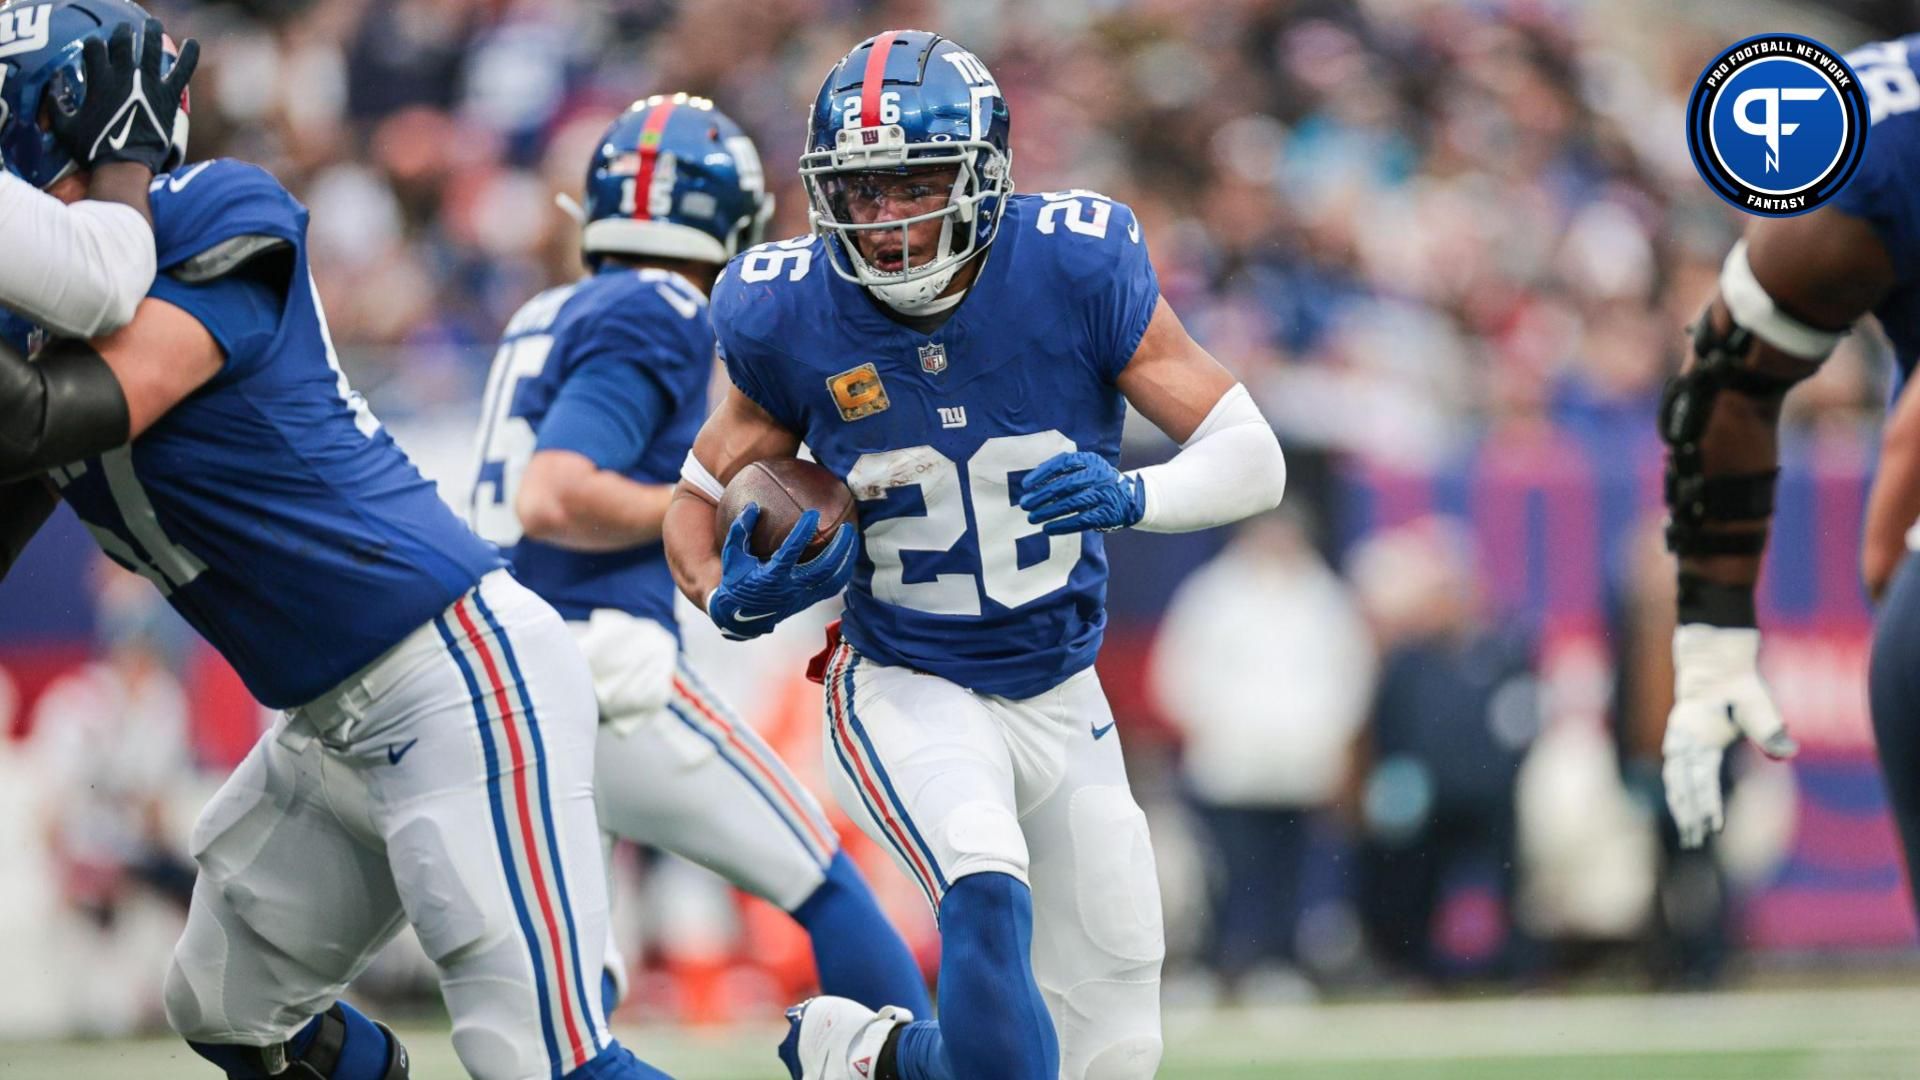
{"x":785,"y":488}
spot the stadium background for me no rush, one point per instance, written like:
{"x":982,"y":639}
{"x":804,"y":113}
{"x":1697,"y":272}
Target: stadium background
{"x":1449,"y":246}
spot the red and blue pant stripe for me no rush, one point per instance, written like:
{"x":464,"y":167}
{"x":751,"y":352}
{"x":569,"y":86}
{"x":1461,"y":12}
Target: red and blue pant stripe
{"x":700,"y":710}
{"x":869,"y":777}
{"x":519,"y":792}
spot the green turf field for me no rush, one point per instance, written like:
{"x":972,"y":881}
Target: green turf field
{"x":1800,"y":1034}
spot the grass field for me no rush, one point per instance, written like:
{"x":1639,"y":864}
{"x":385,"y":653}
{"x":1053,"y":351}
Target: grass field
{"x":1854,"y":1033}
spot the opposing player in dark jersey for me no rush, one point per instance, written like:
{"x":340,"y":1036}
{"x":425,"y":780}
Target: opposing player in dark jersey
{"x":433,"y":765}
{"x":963,"y":357}
{"x":597,"y":392}
{"x":1788,"y":291}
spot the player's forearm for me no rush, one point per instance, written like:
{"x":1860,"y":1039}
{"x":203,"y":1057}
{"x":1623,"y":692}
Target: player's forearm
{"x":1742,"y":439}
{"x":593,"y":510}
{"x":96,"y":260}
{"x":1894,"y":503}
{"x":122,"y":182}
{"x":693,"y":549}
{"x":1720,"y":420}
{"x":25,"y":505}
{"x":1231,"y":468}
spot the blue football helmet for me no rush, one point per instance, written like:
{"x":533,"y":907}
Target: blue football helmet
{"x":41,"y":69}
{"x":674,"y":178}
{"x":903,"y":101}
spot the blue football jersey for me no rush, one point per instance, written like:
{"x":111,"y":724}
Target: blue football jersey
{"x":270,"y":506}
{"x":936,"y":432}
{"x":1883,"y":191}
{"x":615,"y":368}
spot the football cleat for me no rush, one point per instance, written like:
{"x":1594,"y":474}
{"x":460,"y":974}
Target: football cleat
{"x":833,"y":1038}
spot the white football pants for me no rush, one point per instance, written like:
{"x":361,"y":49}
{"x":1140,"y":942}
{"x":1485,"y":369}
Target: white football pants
{"x":677,"y":769}
{"x":448,"y":784}
{"x":953,"y":783}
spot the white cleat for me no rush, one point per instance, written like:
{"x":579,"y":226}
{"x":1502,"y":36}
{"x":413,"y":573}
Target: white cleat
{"x":832,"y":1038}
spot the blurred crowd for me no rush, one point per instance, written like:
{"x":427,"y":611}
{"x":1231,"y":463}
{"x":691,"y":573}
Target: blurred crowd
{"x":1439,"y":215}
{"x":1403,"y":223}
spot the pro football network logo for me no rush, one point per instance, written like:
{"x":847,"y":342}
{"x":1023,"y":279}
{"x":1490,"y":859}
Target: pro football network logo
{"x":1777,"y":124}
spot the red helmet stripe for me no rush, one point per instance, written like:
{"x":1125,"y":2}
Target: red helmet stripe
{"x":186,"y":92}
{"x":876,"y":74}
{"x":649,"y":153}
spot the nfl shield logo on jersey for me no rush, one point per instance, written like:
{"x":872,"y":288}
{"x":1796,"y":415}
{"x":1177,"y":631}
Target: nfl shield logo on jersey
{"x":933,"y":358}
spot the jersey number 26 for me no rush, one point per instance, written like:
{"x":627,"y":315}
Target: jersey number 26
{"x":999,"y":523}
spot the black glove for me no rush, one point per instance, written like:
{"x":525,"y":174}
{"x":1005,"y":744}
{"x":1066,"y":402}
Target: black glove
{"x":128,"y":110}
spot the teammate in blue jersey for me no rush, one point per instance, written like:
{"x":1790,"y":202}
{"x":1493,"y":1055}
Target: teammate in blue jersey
{"x":1787,"y":292}
{"x":963,"y":357}
{"x":596,"y":394}
{"x":94,"y":259}
{"x":434,"y":761}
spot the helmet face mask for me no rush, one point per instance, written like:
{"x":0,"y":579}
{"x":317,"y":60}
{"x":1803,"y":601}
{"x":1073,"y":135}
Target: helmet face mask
{"x":947,"y":115}
{"x":674,"y":178}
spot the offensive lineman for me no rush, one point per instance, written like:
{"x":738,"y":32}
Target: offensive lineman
{"x":597,"y":391}
{"x":963,"y":358}
{"x":433,"y":765}
{"x":94,"y":259}
{"x":1787,"y":293}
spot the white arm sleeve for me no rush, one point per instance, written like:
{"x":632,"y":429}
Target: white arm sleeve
{"x":1230,"y":469}
{"x":86,"y":267}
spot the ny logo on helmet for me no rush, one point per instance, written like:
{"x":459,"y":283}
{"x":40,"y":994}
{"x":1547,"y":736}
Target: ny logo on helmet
{"x":970,"y":69}
{"x":22,"y":30}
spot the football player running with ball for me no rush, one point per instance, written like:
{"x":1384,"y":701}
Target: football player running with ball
{"x":596,"y":394}
{"x":963,"y":357}
{"x":1788,"y":291}
{"x":434,"y":762}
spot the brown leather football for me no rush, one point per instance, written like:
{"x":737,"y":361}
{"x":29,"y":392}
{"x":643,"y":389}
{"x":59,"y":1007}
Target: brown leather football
{"x":785,"y":488}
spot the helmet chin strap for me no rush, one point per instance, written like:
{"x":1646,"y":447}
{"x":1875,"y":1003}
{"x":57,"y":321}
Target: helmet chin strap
{"x":921,"y":296}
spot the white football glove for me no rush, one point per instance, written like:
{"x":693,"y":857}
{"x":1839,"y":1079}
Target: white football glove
{"x":1717,"y":697}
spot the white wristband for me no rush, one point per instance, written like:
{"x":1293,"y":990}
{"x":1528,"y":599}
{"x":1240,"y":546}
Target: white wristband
{"x":700,"y":480}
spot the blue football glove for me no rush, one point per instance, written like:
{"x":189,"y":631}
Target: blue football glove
{"x":1080,"y":491}
{"x":754,"y":594}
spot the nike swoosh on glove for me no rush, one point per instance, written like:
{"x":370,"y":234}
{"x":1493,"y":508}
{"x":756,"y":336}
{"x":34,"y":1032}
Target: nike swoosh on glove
{"x":1077,"y":491}
{"x":1718,"y":696}
{"x":129,"y":110}
{"x":755,"y":594}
